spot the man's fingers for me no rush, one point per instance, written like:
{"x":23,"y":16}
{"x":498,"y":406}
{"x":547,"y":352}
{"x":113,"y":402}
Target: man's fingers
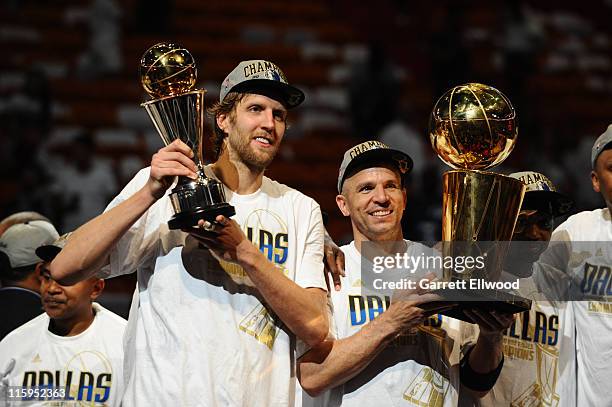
{"x":222,"y":220}
{"x":337,"y":283}
{"x":163,"y":158}
{"x":331,"y":267}
{"x":180,"y":146}
{"x":340,"y":263}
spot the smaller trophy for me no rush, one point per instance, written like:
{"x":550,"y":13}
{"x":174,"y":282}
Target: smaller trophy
{"x":168,"y":74}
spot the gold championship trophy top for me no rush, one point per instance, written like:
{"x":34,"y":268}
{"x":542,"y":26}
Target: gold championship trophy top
{"x":473,"y":128}
{"x":168,"y":74}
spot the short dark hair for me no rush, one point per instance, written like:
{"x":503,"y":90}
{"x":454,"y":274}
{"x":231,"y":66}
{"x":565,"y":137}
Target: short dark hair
{"x":13,"y":274}
{"x":227,"y":106}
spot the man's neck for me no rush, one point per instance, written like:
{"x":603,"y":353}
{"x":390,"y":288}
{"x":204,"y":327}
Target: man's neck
{"x":236,"y":175}
{"x":391,"y":237}
{"x":72,"y":326}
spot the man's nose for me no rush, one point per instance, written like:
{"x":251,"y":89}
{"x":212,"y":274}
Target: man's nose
{"x":534,"y":232}
{"x":268,"y":120}
{"x":380,"y":194}
{"x":53,"y":287}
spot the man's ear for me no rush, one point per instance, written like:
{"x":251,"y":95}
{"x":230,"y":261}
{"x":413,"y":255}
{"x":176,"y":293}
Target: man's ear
{"x":97,"y":289}
{"x":38,"y":270}
{"x":595,"y":181}
{"x":222,"y":121}
{"x":342,"y":205}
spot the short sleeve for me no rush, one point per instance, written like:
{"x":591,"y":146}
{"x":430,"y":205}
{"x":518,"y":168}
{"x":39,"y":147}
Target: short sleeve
{"x":138,"y":245}
{"x":309,"y":273}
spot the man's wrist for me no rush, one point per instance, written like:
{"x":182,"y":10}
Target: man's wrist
{"x":248,"y":256}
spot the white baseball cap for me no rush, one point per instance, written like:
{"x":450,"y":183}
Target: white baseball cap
{"x":20,"y":241}
{"x":539,"y":189}
{"x":257,"y":76}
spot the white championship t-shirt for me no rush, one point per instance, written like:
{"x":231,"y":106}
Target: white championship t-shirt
{"x":88,"y":365}
{"x":588,"y":268}
{"x":420,"y":368}
{"x":202,"y":335}
{"x":539,"y":358}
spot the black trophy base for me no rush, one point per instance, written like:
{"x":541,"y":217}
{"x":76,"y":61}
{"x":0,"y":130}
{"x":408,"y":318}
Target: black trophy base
{"x":188,"y":219}
{"x":485,"y":300}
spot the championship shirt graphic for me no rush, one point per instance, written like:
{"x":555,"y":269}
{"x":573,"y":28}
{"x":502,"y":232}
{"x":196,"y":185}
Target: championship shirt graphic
{"x":533,"y":338}
{"x":597,"y":284}
{"x":87,"y":378}
{"x":268,"y":232}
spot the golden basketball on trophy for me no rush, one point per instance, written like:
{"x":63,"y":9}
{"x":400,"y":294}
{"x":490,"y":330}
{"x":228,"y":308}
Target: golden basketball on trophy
{"x":473,"y":128}
{"x":168,"y":74}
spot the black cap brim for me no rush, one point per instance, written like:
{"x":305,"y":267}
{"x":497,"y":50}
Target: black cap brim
{"x":401,"y":160}
{"x":559,"y":203}
{"x":288,"y":95}
{"x":48,"y":252}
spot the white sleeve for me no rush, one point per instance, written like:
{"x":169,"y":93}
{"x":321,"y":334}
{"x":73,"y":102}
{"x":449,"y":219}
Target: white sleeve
{"x":310,"y":271}
{"x":550,"y":272}
{"x":139,"y":244}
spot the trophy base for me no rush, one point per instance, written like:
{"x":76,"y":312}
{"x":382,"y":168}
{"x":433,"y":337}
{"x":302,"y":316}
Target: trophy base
{"x":486,"y":300}
{"x":188,"y":219}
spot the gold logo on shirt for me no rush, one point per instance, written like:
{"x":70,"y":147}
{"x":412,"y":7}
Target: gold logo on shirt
{"x":427,"y":389}
{"x":261,"y":325}
{"x":543,"y":391}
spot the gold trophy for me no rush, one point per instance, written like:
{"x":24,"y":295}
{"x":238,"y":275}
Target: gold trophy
{"x":168,"y":74}
{"x":472,"y":128}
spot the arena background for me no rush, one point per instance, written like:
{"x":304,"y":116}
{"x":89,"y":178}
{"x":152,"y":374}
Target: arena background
{"x":72,"y":132}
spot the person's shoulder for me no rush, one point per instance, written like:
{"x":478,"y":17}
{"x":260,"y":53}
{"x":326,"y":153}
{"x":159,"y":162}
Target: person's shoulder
{"x":27,"y":330}
{"x":109,"y":317}
{"x":585,"y":218}
{"x":350,"y":250}
{"x":277,"y":189}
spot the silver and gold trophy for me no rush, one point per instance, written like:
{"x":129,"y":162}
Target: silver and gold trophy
{"x":168,"y":74}
{"x":473,"y":128}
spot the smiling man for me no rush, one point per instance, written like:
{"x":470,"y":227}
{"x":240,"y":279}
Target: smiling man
{"x":74,"y":349}
{"x":389,"y":350}
{"x":219,"y":305}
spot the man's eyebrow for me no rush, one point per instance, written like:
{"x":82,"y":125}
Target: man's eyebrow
{"x":363,"y":184}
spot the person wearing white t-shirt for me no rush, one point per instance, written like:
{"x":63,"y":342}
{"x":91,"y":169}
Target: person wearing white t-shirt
{"x":388,"y":351}
{"x":220,"y":306}
{"x":539,"y":367}
{"x":70,"y":355}
{"x":581,"y":259}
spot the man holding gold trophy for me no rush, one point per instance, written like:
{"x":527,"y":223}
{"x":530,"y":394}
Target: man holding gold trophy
{"x":389,"y":349}
{"x":219,"y":300}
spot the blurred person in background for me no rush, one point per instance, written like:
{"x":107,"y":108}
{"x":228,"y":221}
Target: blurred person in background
{"x":84,"y":185}
{"x":539,"y":346}
{"x":76,"y":346}
{"x":19,"y":295}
